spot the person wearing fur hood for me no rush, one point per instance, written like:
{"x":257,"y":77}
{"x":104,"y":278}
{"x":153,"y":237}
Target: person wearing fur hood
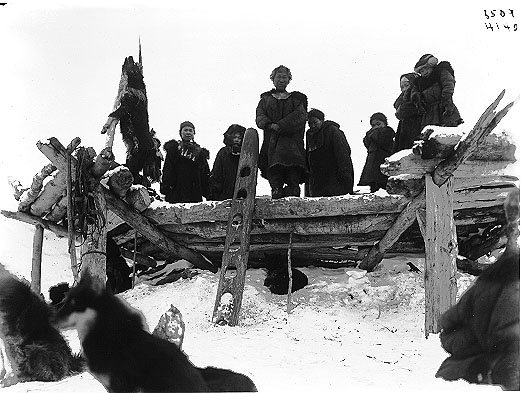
{"x":282,"y":117}
{"x":408,"y":114}
{"x":433,"y":91}
{"x":224,"y":171}
{"x":186,"y":172}
{"x":379,"y":144}
{"x":328,"y":158}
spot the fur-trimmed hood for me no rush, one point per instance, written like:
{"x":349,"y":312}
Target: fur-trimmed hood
{"x":295,"y":94}
{"x":190,"y":150}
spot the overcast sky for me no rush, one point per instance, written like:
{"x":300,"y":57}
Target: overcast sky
{"x":208,"y":62}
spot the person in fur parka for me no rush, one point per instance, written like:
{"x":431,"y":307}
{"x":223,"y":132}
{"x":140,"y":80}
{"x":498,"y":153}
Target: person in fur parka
{"x":379,"y":143}
{"x":433,"y":90}
{"x":408,"y":114}
{"x":282,"y":117}
{"x":224,"y":171}
{"x":328,"y":157}
{"x":186,"y":172}
{"x":481,"y":331}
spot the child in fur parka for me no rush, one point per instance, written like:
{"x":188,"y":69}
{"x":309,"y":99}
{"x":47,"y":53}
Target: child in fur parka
{"x":224,"y":172}
{"x":379,"y":143}
{"x":186,"y":172}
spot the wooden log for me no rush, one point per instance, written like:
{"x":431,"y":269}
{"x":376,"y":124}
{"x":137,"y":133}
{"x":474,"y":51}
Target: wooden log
{"x":52,"y":192}
{"x":408,"y":185}
{"x":58,"y":211}
{"x":36,"y":270}
{"x":303,"y":226}
{"x":267,"y":208}
{"x":405,"y":162}
{"x":145,"y":228}
{"x":93,"y":249}
{"x":58,"y":230}
{"x":138,"y":197}
{"x":102,"y":163}
{"x":119,"y":180}
{"x":29,"y":195}
{"x":497,"y":146}
{"x":441,"y":250}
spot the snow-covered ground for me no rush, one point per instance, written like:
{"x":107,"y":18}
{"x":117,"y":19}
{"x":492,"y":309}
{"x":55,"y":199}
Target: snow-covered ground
{"x":348,"y":331}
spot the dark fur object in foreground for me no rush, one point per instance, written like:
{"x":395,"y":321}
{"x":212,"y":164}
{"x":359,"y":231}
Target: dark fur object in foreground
{"x":222,"y":380}
{"x":34,"y":348}
{"x":122,"y":355}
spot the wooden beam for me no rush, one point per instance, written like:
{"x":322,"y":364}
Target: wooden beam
{"x":36,"y":270}
{"x":146,"y":229}
{"x":441,"y":250}
{"x":29,"y":219}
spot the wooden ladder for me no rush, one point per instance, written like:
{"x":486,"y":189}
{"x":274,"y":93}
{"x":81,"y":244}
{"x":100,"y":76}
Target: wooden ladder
{"x":237,"y":244}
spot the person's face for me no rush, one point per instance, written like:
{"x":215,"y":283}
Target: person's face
{"x":425,"y":71}
{"x":377,"y":123}
{"x":281,"y":80}
{"x":404,"y":84}
{"x":187,"y":133}
{"x":237,"y":139}
{"x":314,"y":123}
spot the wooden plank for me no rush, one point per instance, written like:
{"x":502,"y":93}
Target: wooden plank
{"x":30,"y":219}
{"x":36,"y":270}
{"x":146,"y":229}
{"x":441,"y":250}
{"x":237,"y":244}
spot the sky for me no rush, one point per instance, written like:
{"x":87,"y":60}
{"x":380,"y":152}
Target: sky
{"x":209,"y":61}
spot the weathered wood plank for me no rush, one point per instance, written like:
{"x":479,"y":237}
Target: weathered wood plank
{"x":441,"y":250}
{"x":30,"y":219}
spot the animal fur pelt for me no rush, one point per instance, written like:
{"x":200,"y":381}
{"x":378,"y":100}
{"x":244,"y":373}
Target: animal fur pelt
{"x":132,"y":113}
{"x":35,"y":350}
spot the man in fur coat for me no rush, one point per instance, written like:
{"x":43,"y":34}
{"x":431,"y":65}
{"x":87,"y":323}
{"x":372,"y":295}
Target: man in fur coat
{"x":282,"y":117}
{"x":224,"y":172}
{"x":433,"y":90}
{"x":481,"y":332}
{"x":328,"y":157}
{"x":186,"y":172}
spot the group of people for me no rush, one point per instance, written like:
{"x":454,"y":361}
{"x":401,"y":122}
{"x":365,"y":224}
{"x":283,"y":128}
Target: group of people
{"x":320,"y":157}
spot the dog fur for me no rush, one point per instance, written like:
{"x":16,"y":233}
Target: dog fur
{"x":33,"y":348}
{"x":120,"y":353}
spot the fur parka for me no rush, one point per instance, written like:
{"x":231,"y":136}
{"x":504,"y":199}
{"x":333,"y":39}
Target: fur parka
{"x":329,"y":161}
{"x":434,"y":93}
{"x":186,"y":172}
{"x":286,"y":146}
{"x":481,"y":332}
{"x":409,"y":125}
{"x":379,"y":144}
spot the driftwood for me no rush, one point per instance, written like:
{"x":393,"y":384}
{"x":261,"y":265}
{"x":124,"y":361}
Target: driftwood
{"x":485,"y":124}
{"x":30,"y":195}
{"x":58,"y":230}
{"x":59,"y":210}
{"x":52,"y":192}
{"x":36,"y":270}
{"x":441,"y":141}
{"x":17,"y":187}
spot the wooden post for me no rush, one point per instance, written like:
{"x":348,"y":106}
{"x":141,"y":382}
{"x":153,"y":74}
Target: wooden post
{"x":36,"y":271}
{"x":93,"y":250}
{"x":441,"y":250}
{"x":290,"y":274}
